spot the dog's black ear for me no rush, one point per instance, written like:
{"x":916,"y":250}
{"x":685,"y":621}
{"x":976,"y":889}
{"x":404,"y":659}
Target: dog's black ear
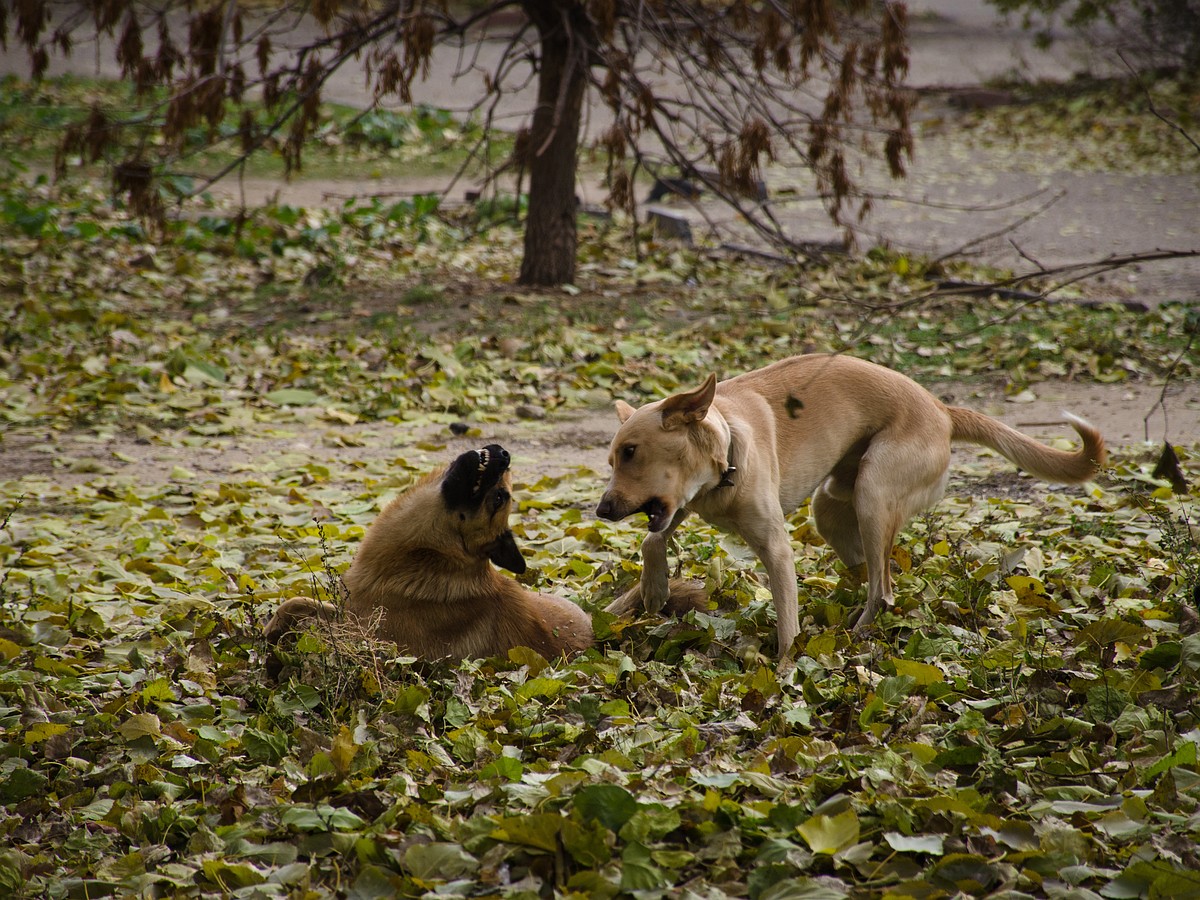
{"x":679,"y":410}
{"x":505,"y":553}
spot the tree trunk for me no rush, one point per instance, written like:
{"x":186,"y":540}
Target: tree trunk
{"x":550,"y":235}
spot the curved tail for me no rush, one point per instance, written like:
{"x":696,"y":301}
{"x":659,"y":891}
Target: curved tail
{"x":1036,"y":458}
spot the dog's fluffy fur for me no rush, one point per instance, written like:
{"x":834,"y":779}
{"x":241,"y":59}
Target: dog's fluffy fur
{"x":425,"y":566}
{"x":869,"y":445}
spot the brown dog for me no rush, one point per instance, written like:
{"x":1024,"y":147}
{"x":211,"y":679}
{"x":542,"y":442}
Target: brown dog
{"x":426,"y":565}
{"x":869,"y":445}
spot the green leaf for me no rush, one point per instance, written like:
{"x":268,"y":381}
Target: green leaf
{"x":609,"y":804}
{"x":22,"y":783}
{"x":650,"y":822}
{"x":505,"y":768}
{"x":1154,"y":880}
{"x":1189,"y":656}
{"x":437,"y":861}
{"x":762,"y":878}
{"x":199,"y":370}
{"x":1186,"y":754}
{"x":539,"y":831}
{"x":1165,"y":655}
{"x":638,"y":872}
{"x":140,"y":725}
{"x":829,"y":834}
{"x":916,"y":843}
{"x":588,"y":845}
{"x":322,"y":818}
{"x":541,"y":687}
{"x":231,"y":875}
{"x":265,"y":746}
{"x":1105,"y":632}
{"x":965,"y":872}
{"x":373,"y":883}
{"x":295,"y":397}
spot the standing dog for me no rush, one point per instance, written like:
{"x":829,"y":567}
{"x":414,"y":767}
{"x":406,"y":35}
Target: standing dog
{"x":425,"y":564}
{"x":869,"y":445}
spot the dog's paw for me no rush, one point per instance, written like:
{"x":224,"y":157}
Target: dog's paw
{"x":681,"y":595}
{"x":866,"y":619}
{"x":655,"y":595}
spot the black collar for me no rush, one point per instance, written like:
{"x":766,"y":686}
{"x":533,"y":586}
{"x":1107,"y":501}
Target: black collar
{"x":727,"y":475}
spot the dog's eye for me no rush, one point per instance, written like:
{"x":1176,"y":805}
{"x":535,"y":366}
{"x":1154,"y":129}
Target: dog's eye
{"x":628,"y":451}
{"x":499,"y":498}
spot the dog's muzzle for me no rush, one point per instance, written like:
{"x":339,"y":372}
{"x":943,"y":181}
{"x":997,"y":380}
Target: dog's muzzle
{"x":615,"y":510}
{"x":472,"y":475}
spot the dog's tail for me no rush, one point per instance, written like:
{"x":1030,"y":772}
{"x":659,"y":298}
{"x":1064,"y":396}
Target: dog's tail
{"x":1047,"y":463}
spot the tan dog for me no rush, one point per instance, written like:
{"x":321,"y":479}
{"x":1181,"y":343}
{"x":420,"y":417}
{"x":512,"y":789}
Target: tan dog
{"x":426,"y":565}
{"x":869,"y":445}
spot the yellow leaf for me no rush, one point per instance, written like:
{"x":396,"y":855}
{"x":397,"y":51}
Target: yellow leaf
{"x":523,"y":656}
{"x":344,"y":750}
{"x":1025,"y":586}
{"x":41,"y":731}
{"x":923,"y":673}
{"x":140,"y":725}
{"x":339,"y":415}
{"x":8,"y":649}
{"x":829,"y":834}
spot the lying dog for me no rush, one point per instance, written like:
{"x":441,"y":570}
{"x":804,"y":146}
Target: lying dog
{"x":869,"y":445}
{"x":426,"y":565}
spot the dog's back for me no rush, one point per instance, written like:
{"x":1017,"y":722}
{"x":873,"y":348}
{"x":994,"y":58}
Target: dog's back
{"x":817,"y":409}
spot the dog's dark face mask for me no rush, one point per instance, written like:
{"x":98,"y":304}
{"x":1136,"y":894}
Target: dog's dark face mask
{"x":475,"y":487}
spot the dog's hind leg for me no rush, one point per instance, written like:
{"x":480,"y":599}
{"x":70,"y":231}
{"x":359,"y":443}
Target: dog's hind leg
{"x":837,"y":522}
{"x":893,"y":484}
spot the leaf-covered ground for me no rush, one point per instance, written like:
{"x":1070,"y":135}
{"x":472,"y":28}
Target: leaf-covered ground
{"x":1024,"y":723}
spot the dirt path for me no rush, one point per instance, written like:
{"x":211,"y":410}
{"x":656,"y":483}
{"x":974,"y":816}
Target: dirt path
{"x":560,"y":444}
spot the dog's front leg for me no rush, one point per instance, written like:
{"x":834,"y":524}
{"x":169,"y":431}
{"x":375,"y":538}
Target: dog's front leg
{"x":652,"y":590}
{"x":775,"y":550}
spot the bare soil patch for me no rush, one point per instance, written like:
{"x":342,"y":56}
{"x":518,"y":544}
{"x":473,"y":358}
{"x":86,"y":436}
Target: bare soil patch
{"x":564,"y":442}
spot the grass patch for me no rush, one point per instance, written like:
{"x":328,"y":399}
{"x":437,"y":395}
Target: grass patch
{"x":1094,"y":125}
{"x":377,"y":143}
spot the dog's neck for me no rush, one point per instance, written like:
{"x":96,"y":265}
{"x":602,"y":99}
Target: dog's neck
{"x":725,"y":437}
{"x":727,"y":475}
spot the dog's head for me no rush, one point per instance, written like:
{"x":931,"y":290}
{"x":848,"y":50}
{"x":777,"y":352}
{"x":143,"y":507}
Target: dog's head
{"x":661,"y":457}
{"x":476,"y":490}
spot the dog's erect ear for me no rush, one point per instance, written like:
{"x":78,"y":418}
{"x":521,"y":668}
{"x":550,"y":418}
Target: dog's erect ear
{"x":624,"y":411}
{"x":505,"y":553}
{"x":679,"y":410}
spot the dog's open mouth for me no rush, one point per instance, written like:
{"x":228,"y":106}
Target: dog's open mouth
{"x":656,"y":512}
{"x":473,"y":474}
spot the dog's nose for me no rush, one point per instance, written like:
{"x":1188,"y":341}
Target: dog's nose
{"x":605,"y":509}
{"x":496,"y":454}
